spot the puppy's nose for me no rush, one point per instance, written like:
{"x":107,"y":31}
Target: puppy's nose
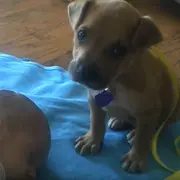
{"x":88,"y":73}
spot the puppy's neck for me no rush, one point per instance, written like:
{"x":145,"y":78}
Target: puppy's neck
{"x":134,"y":75}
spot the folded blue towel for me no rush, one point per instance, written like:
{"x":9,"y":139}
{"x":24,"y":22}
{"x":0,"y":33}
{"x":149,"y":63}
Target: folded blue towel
{"x":65,"y":105}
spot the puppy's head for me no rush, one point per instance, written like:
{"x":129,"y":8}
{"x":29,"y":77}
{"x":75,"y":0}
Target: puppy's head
{"x":106,"y":34}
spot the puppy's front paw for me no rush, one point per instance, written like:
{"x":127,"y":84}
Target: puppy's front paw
{"x":131,"y":137}
{"x":86,"y":145}
{"x":117,"y":124}
{"x":133,"y":163}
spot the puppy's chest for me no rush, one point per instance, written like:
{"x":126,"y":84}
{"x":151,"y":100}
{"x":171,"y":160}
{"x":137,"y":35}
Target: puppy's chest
{"x":121,"y":99}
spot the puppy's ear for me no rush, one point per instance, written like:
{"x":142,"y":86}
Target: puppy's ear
{"x":146,"y":34}
{"x":77,"y":10}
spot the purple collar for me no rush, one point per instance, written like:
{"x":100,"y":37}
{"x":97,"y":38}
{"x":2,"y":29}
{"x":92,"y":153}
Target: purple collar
{"x":104,"y":98}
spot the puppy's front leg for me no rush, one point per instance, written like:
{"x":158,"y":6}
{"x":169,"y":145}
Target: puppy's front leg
{"x":136,"y":159}
{"x":91,"y":142}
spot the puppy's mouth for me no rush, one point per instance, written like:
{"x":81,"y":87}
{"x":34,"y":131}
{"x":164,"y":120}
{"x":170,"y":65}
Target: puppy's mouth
{"x":88,"y":75}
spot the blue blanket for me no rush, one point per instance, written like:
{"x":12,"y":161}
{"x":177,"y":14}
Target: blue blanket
{"x":65,"y":105}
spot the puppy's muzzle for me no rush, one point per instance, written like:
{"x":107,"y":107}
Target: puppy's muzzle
{"x":87,"y":74}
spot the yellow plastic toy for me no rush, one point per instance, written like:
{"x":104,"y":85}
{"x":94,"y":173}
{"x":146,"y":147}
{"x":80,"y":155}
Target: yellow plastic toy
{"x":175,"y":174}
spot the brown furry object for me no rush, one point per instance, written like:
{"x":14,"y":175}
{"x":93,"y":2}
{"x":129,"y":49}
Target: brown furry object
{"x":24,"y":137}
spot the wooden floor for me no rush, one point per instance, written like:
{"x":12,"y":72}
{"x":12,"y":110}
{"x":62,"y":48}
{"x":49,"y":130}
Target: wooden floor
{"x":39,"y":29}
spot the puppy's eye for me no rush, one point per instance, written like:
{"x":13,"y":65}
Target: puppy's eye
{"x":117,"y":50}
{"x":82,"y":34}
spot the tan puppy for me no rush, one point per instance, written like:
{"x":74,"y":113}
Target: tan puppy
{"x":24,"y":137}
{"x":111,"y":50}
